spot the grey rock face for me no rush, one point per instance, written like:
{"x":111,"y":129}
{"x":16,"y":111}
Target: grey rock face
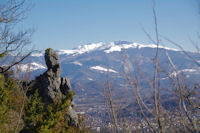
{"x":65,"y":86}
{"x":51,"y":58}
{"x":73,"y":117}
{"x":48,"y":84}
{"x":51,"y":86}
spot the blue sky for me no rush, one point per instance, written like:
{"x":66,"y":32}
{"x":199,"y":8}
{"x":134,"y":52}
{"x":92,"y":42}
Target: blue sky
{"x":65,"y":24}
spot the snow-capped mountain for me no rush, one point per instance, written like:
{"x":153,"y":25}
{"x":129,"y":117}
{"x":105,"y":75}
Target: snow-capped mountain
{"x":88,"y":66}
{"x":27,"y":67}
{"x":105,"y":47}
{"x":108,"y":47}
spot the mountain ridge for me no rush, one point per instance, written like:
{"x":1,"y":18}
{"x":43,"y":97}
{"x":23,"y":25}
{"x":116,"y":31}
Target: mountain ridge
{"x":106,"y":47}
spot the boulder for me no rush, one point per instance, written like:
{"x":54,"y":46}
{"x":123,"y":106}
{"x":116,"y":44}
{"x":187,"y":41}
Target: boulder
{"x":51,"y":58}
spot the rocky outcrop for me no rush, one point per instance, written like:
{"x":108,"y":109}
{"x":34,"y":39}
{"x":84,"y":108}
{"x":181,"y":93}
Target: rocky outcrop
{"x":51,"y":86}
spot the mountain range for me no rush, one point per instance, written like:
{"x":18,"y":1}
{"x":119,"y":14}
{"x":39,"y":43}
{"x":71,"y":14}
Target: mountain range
{"x":90,"y":66}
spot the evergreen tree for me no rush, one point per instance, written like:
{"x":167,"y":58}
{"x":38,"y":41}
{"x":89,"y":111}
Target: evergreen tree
{"x":50,"y":119}
{"x":4,"y":106}
{"x":10,"y":104}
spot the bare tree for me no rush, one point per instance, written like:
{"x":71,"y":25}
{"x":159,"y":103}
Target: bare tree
{"x":13,"y":44}
{"x":184,"y":117}
{"x":110,"y":105}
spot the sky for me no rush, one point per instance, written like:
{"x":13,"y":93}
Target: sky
{"x":65,"y":24}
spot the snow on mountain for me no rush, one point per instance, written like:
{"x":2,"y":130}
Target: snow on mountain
{"x":134,"y":45}
{"x":77,"y":63}
{"x":61,"y":51}
{"x":81,"y":49}
{"x":108,"y":47}
{"x":105,"y":47}
{"x":191,"y":71}
{"x":102,"y":69}
{"x":155,"y":46}
{"x":90,"y":79}
{"x":29,"y":67}
{"x":183,"y":71}
{"x":37,"y":54}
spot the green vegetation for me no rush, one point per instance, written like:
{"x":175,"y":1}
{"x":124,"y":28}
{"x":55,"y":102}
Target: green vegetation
{"x":52,"y":118}
{"x":11,"y":100}
{"x":36,"y":118}
{"x":4,"y":108}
